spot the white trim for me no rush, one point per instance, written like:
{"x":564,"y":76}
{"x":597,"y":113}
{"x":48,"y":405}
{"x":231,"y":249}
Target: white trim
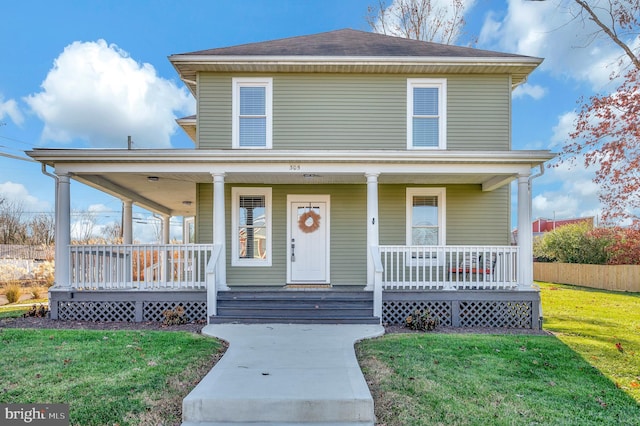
{"x":302,"y":198}
{"x":236,"y":192}
{"x":441,"y":85}
{"x":238,"y":82}
{"x":442,"y":211}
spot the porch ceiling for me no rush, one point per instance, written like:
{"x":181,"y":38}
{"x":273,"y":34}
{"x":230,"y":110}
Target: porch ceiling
{"x":175,"y":193}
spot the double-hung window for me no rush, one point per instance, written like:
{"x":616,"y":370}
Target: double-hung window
{"x":251,"y":224}
{"x":252,"y":113}
{"x":426,"y":113}
{"x":425,"y":216}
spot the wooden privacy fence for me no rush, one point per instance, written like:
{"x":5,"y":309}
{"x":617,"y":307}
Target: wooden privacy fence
{"x":606,"y":277}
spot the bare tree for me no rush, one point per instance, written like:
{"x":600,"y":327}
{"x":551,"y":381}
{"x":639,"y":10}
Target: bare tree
{"x":12,"y":230}
{"x":426,"y":20}
{"x":113,"y":233}
{"x":83,"y":229}
{"x":41,"y":229}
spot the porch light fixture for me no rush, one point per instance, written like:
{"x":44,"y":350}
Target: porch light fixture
{"x":153,"y":178}
{"x":310,"y":175}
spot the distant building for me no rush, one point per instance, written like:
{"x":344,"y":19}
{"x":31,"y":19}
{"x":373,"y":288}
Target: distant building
{"x":541,"y":225}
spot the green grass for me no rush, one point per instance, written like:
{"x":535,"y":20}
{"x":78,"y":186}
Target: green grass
{"x":592,"y":322}
{"x":576,"y":378}
{"x":8,"y":311}
{"x":107,"y":377}
{"x":13,"y":311}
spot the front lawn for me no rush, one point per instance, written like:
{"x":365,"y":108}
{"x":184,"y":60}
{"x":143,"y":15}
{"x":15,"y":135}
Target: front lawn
{"x":580,"y":377}
{"x":107,"y":377}
{"x":602,"y":326}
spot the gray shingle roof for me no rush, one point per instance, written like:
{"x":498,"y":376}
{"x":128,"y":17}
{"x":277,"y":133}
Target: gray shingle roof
{"x":349,"y":42}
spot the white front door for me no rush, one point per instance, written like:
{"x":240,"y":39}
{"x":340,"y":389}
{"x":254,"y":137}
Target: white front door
{"x":308,"y":239}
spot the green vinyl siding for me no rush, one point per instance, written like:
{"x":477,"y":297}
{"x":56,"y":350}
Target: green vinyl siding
{"x":204,"y":216}
{"x":473,"y":217}
{"x":348,"y":233}
{"x":359,"y":111}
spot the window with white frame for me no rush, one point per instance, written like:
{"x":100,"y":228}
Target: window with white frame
{"x":426,"y":113}
{"x":251,"y":224}
{"x":426,"y":216}
{"x":252,"y":116}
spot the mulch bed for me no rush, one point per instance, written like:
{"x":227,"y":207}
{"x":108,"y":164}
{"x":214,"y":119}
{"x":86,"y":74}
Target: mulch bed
{"x":46,"y":323}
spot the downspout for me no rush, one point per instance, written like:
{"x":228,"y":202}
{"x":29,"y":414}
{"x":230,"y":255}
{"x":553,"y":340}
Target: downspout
{"x":46,"y":173}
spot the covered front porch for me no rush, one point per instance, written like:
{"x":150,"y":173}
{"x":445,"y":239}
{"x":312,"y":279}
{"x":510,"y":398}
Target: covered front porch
{"x":356,"y":190}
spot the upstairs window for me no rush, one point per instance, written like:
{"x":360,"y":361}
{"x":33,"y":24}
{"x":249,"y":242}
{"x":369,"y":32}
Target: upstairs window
{"x":252,"y":118}
{"x":426,"y":113}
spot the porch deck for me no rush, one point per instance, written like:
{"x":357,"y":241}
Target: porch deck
{"x":464,"y":286}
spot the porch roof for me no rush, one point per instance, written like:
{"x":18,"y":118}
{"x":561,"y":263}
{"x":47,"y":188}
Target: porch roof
{"x":164,"y":181}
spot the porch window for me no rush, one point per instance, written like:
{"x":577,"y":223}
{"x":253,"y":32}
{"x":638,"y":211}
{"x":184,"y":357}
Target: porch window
{"x":251,"y":221}
{"x":252,"y":118}
{"x":425,"y":216}
{"x":426,"y":113}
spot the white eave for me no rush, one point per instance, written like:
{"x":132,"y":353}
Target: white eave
{"x":189,"y":65}
{"x":184,"y":156}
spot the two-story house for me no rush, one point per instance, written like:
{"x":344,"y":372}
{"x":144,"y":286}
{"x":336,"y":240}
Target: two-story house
{"x":342,"y":167}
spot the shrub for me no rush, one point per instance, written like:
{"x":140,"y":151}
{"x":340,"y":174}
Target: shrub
{"x":40,"y":311}
{"x":13,"y":293}
{"x":574,"y":243}
{"x":46,"y":272}
{"x":35,"y":292}
{"x":421,"y":320}
{"x":174,"y":317}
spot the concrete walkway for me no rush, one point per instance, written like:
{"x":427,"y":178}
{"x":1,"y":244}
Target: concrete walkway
{"x":284,"y":374}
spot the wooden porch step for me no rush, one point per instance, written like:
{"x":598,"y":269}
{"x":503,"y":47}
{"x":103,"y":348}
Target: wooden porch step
{"x":295,"y":307}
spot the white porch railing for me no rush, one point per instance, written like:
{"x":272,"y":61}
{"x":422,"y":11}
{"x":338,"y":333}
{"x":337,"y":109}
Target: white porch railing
{"x":449,"y":267}
{"x":139,"y":266}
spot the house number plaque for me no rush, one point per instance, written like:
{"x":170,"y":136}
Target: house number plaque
{"x":294,"y":167}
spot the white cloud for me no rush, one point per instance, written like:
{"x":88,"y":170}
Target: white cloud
{"x":551,"y":30}
{"x":566,"y":191}
{"x":17,"y":193}
{"x":562,"y":130}
{"x":10,"y":108}
{"x":97,"y":93}
{"x":533,"y":90}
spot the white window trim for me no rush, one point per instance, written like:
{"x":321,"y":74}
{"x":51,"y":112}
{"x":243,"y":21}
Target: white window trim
{"x":441,"y":194}
{"x":236,"y":192}
{"x":441,"y":85}
{"x":265,"y":82}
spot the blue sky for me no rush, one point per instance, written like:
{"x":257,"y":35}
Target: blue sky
{"x":129,"y":41}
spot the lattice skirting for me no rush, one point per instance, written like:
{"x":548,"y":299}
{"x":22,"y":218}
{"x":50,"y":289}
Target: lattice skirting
{"x":395,"y":312}
{"x":465,"y":310}
{"x":123,"y":306}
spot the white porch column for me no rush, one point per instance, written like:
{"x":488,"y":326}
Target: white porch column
{"x":219,"y":235}
{"x":525,"y":233}
{"x":166,"y":229}
{"x":63,"y":230}
{"x":372,"y":224}
{"x":127,"y":222}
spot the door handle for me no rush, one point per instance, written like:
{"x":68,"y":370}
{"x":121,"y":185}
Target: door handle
{"x":293,"y":249}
